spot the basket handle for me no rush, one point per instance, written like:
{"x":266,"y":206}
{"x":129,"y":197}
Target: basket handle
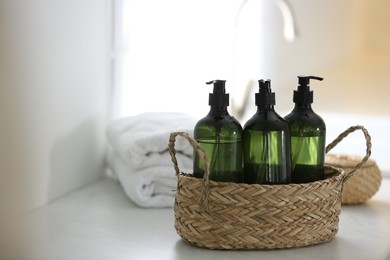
{"x":368,"y":147}
{"x":194,"y":144}
{"x":203,"y":200}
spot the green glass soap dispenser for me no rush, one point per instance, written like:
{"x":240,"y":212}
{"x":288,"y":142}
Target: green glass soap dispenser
{"x":220,"y":135}
{"x":267,"y":156}
{"x":307,"y":135}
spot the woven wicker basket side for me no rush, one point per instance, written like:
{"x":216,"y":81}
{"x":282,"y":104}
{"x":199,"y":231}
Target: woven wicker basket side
{"x":242,"y":216}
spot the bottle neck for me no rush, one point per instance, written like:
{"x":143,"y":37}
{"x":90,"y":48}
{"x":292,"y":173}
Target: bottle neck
{"x":303,"y":106}
{"x":265,"y":108}
{"x":218,"y":111}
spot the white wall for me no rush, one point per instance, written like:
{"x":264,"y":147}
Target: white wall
{"x":54,"y":92}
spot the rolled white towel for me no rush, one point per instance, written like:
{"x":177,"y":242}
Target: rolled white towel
{"x":142,"y":140}
{"x":149,"y":187}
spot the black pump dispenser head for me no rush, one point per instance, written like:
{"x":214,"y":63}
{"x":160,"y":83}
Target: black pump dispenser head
{"x":303,"y":95}
{"x":265,"y":97}
{"x":218,"y":98}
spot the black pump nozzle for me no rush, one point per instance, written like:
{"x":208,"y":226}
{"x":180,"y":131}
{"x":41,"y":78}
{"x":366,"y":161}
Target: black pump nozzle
{"x":303,"y":95}
{"x":265,"y":97}
{"x":304,"y":82}
{"x":219,"y":86}
{"x":219,"y":97}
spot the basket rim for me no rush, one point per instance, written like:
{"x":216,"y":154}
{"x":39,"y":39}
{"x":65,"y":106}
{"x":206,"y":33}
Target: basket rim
{"x":337,"y":175}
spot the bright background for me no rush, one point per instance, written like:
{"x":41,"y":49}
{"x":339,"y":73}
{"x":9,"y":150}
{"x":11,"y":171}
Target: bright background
{"x":68,"y":67}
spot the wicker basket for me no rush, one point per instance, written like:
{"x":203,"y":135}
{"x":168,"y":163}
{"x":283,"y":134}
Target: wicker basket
{"x":365,"y":182}
{"x":225,"y":215}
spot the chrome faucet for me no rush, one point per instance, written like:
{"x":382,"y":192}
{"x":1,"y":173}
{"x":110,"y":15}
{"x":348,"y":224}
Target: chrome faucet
{"x":289,"y":33}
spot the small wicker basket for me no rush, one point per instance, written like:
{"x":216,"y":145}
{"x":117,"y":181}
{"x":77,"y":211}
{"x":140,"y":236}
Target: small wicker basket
{"x":363,"y":184}
{"x":225,"y":215}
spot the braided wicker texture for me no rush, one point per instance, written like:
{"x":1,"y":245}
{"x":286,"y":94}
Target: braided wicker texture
{"x":222,"y":215}
{"x":244,"y":216}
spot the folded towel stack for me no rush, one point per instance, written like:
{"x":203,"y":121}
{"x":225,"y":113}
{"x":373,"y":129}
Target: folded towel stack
{"x":139,"y":157}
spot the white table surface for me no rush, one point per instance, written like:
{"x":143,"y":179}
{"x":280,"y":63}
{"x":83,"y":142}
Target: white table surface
{"x":100,"y":222}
